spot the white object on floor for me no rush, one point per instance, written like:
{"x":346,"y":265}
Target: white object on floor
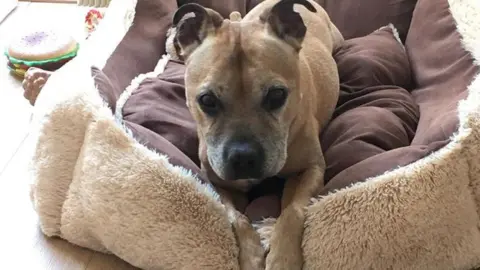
{"x":93,"y":3}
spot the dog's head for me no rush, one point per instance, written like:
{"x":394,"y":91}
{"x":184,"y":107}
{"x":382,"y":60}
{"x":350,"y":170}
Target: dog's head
{"x":242,"y":81}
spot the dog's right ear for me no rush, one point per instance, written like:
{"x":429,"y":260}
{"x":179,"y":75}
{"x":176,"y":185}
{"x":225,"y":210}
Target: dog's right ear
{"x":193,"y":24}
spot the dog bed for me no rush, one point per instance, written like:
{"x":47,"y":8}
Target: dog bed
{"x":115,"y":165}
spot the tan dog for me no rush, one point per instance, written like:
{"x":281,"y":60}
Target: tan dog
{"x":261,"y":89}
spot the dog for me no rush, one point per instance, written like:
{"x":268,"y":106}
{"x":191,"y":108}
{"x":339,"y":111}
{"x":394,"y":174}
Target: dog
{"x":261,"y":89}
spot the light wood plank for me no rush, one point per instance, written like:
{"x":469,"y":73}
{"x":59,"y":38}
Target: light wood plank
{"x":23,"y":246}
{"x":15,"y":111}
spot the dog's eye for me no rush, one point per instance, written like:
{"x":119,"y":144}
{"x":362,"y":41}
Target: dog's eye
{"x":275,"y":98}
{"x":209,"y":103}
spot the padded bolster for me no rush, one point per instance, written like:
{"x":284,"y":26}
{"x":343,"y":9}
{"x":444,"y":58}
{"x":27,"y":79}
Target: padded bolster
{"x":442,"y":70}
{"x":143,"y":44}
{"x":104,"y":86}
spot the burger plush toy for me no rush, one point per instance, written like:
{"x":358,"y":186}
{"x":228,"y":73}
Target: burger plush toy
{"x":45,"y":49}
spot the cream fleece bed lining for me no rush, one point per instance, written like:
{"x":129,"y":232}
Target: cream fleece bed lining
{"x":96,"y":187}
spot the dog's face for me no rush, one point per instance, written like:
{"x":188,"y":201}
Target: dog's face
{"x":242,"y":88}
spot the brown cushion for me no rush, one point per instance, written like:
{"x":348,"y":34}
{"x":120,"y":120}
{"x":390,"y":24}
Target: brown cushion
{"x":373,"y":60}
{"x":375,"y":113}
{"x":159,"y":105}
{"x":357,"y":18}
{"x":441,"y":70}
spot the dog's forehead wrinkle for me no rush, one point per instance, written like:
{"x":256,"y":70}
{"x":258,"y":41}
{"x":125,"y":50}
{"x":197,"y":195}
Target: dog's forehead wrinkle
{"x":230,"y":65}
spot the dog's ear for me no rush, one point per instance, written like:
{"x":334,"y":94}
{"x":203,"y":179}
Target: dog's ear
{"x":193,"y":24}
{"x":286,"y":23}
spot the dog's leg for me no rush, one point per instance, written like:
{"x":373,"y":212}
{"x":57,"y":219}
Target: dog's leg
{"x":286,"y":241}
{"x":252,"y":254}
{"x":251,"y":251}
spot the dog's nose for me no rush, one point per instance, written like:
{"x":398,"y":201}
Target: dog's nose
{"x":244,"y":160}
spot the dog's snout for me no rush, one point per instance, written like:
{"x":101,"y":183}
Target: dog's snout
{"x":244,"y":160}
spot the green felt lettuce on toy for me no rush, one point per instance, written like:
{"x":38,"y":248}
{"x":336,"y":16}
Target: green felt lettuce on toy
{"x":45,"y":49}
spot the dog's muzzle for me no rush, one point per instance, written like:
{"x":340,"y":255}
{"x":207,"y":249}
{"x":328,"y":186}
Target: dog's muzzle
{"x":244,"y":159}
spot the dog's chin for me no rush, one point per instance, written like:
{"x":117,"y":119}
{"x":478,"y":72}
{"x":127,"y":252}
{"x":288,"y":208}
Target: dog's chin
{"x":242,"y":184}
{"x":235,"y":184}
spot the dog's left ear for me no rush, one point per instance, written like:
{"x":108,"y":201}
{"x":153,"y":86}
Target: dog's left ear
{"x":286,"y":23}
{"x":192,"y":30}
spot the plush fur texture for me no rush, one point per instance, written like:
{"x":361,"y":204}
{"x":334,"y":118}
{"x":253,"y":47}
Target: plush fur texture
{"x":96,"y":187}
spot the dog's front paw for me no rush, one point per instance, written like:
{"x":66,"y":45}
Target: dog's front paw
{"x":286,"y":242}
{"x":252,"y":256}
{"x":264,"y":229}
{"x":284,"y":256}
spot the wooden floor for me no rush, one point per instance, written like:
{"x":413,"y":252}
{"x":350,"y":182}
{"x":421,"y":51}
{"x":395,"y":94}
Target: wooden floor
{"x":22,"y":245}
